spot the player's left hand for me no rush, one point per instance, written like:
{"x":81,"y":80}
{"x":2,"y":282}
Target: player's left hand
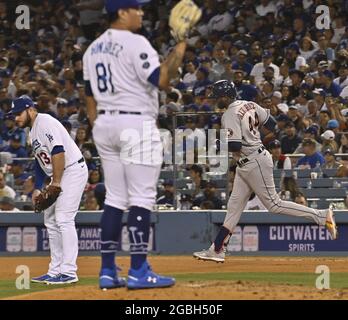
{"x":183,"y":17}
{"x":46,"y":198}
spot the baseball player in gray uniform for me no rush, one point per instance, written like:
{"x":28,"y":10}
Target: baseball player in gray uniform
{"x":243,"y":120}
{"x":123,"y":73}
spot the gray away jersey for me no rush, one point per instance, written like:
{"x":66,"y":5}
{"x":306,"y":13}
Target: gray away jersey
{"x":242,"y":120}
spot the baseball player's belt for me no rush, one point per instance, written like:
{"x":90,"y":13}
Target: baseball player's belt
{"x":242,"y":162}
{"x":79,"y":161}
{"x":118,"y":112}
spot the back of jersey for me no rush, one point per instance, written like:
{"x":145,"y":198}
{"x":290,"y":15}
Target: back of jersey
{"x":118,"y":65}
{"x":243,"y":120}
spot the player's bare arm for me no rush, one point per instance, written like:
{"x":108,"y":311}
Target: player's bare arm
{"x":58,"y":164}
{"x":91,"y":109}
{"x":171,"y":65}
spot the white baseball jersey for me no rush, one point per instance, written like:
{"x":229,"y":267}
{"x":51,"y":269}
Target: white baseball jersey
{"x":118,"y":65}
{"x":46,"y":133}
{"x":242,"y":120}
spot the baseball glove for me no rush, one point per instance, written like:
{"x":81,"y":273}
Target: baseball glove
{"x":46,"y":198}
{"x":183,"y":18}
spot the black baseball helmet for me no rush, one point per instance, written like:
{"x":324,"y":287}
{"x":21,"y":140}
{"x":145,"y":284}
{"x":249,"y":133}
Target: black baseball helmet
{"x":223,"y":88}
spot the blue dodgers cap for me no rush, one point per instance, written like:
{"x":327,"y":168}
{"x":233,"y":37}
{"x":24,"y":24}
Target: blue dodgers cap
{"x":112,"y":6}
{"x":283,"y":117}
{"x":20,"y":104}
{"x":332,"y":124}
{"x":312,"y":130}
{"x":267,"y":54}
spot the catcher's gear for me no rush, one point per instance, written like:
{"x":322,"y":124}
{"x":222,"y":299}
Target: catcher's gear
{"x":223,"y":88}
{"x":183,"y":18}
{"x":46,"y":198}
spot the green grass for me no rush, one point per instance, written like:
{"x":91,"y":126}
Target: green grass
{"x":337,"y":280}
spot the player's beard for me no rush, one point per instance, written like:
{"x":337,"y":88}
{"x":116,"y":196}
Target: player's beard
{"x":27,"y":122}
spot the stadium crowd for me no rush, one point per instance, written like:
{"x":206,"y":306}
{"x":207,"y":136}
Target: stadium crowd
{"x":274,"y":51}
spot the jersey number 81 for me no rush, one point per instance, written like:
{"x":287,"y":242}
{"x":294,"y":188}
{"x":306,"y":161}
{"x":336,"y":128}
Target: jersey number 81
{"x":104,"y":78}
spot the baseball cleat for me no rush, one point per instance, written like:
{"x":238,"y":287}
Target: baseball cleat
{"x":210,"y":254}
{"x":41,"y":279}
{"x":61,"y":279}
{"x":108,"y":279}
{"x":145,"y":278}
{"x":331,"y":224}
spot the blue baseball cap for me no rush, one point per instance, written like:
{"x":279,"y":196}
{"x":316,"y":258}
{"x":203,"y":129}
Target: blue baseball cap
{"x":312,"y":130}
{"x":267,"y":54}
{"x":332,"y":124}
{"x":112,"y":6}
{"x":20,"y":104}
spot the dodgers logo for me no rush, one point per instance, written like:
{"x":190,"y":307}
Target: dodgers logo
{"x":49,"y":137}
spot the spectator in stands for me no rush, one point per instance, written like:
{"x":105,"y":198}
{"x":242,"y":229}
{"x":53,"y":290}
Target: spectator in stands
{"x":167,"y":198}
{"x":11,"y":129}
{"x":69,"y":93}
{"x":15,"y":147}
{"x":328,"y":141}
{"x":289,"y":189}
{"x":81,"y":137}
{"x":28,"y":188}
{"x":199,"y":184}
{"x":254,"y":203}
{"x":312,"y":158}
{"x":7,"y":204}
{"x":307,"y":47}
{"x":301,"y":199}
{"x":344,"y":143}
{"x":296,"y":77}
{"x":62,"y":110}
{"x":185,"y":202}
{"x":342,"y":172}
{"x":331,"y":88}
{"x":67,"y":125}
{"x":7,"y":83}
{"x":94,"y":178}
{"x":241,"y":63}
{"x":324,"y":117}
{"x":90,"y":204}
{"x":295,"y":116}
{"x":202,"y":81}
{"x":19,"y":176}
{"x":209,"y":194}
{"x":6,"y":191}
{"x":190,"y":76}
{"x":330,"y":161}
{"x":342,"y":80}
{"x":280,"y":161}
{"x":291,"y":140}
{"x":99,"y":193}
{"x":246,"y":91}
{"x":310,"y":133}
{"x":257,"y":73}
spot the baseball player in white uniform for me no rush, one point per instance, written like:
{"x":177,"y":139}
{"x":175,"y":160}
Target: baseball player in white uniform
{"x":123,"y":73}
{"x":58,"y":157}
{"x":243,"y":120}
